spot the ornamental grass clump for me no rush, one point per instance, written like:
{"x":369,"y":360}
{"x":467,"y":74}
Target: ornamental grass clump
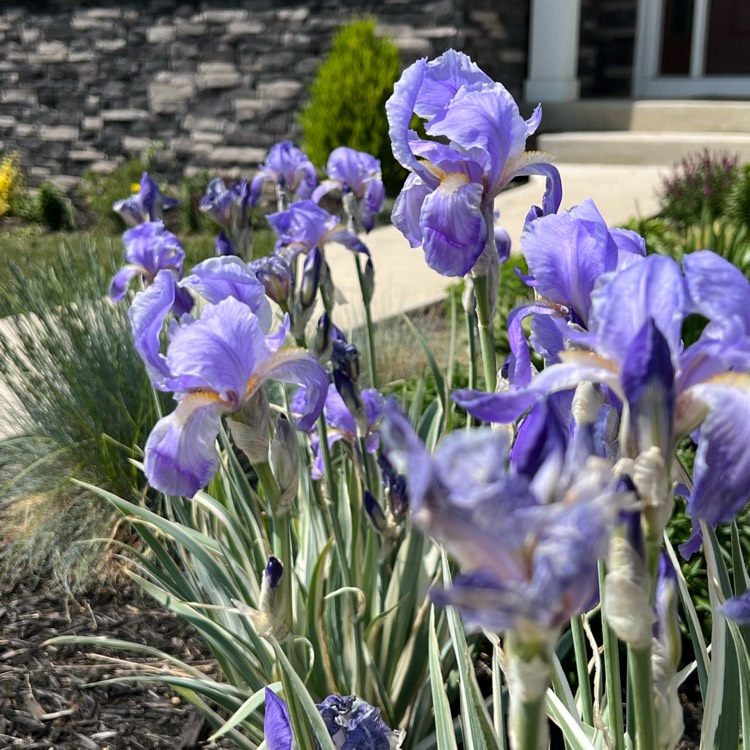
{"x":356,"y":553}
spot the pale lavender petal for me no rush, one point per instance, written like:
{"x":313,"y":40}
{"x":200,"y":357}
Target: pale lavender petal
{"x":408,"y":208}
{"x":121,"y":281}
{"x":147,"y":314}
{"x":652,"y":288}
{"x":400,"y":108}
{"x":220,"y":352}
{"x":299,"y":367}
{"x":721,"y":482}
{"x":484,"y":119}
{"x":180,"y":453}
{"x":717,"y":288}
{"x":218,"y":278}
{"x":738,"y":608}
{"x":567,"y":253}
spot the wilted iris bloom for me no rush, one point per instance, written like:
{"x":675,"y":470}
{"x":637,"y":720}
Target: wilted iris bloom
{"x":527,"y":540}
{"x":355,"y":173}
{"x":477,"y":146}
{"x":305,"y":225}
{"x":290,"y":169}
{"x":275,"y":273}
{"x":149,"y":249}
{"x":351,"y":723}
{"x":343,"y":426}
{"x":215,"y":366}
{"x":147,"y":204}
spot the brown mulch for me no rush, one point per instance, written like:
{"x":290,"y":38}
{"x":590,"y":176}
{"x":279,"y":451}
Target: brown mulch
{"x":46,"y":700}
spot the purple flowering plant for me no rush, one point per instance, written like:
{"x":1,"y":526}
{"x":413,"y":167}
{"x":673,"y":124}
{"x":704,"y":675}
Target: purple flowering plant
{"x":352,"y":595}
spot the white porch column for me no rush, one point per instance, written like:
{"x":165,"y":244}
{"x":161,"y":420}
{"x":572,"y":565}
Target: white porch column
{"x":553,"y":51}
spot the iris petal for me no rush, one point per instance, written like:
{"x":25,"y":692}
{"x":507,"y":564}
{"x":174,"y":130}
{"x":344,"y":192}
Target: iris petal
{"x":180,"y":453}
{"x":455,"y":231}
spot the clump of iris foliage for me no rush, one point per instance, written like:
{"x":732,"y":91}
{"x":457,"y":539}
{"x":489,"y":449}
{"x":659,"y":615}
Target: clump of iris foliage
{"x":350,"y":558}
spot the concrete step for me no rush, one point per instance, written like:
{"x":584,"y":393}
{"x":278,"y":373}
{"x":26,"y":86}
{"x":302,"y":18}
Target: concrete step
{"x":639,"y":147}
{"x":651,"y":115}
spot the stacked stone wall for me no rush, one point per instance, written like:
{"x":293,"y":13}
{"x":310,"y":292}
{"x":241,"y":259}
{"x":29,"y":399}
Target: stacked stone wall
{"x":86,"y":86}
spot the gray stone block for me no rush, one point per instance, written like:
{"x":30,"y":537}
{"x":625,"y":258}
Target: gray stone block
{"x":161,"y":34}
{"x":58,"y":133}
{"x":110,"y":45}
{"x":239,"y":29}
{"x":282,"y":89}
{"x":237,"y":156}
{"x":50,"y":52}
{"x":123,"y":115}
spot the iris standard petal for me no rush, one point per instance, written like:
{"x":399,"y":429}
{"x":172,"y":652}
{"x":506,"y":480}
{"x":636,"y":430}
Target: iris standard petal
{"x":147,"y":314}
{"x":180,"y":455}
{"x":485,"y":121}
{"x":218,"y":278}
{"x":399,"y":110}
{"x":222,"y":351}
{"x":537,"y":163}
{"x":443,"y":78}
{"x":567,"y":253}
{"x":454,"y":229}
{"x":652,"y":288}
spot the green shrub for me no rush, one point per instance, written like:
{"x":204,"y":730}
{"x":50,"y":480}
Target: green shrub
{"x":738,"y":200}
{"x":347,"y":100}
{"x":698,"y":185}
{"x":54,"y":210}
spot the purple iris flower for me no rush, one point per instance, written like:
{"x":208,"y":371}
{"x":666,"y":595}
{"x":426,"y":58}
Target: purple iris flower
{"x":229,"y":206}
{"x":305,"y":225}
{"x":148,"y":204}
{"x":149,"y":249}
{"x":215,"y":366}
{"x":288,"y":167}
{"x":446,"y":204}
{"x":351,"y":723}
{"x":356,"y":173}
{"x":218,"y":278}
{"x":566,"y":254}
{"x":633,"y":347}
{"x":342,"y":424}
{"x":528,"y":558}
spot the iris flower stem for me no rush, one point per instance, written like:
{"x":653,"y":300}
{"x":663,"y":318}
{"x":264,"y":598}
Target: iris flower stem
{"x":472,"y":346}
{"x":584,"y":686}
{"x":486,"y":331}
{"x":612,"y":674}
{"x":639,"y":668}
{"x":530,"y":725}
{"x":332,"y":518}
{"x":372,"y":364}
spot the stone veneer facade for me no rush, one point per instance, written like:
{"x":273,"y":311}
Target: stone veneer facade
{"x":85,"y":84}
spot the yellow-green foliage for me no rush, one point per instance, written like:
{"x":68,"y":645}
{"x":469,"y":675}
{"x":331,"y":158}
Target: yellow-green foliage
{"x":9,"y":174}
{"x":348,"y":95}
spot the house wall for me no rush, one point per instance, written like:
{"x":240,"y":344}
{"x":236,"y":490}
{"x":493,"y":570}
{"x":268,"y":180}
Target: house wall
{"x":607,"y":45}
{"x":85,"y":85}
